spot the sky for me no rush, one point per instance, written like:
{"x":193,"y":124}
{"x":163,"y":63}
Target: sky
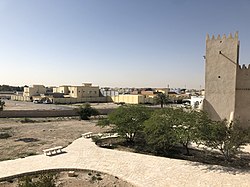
{"x":116,"y":43}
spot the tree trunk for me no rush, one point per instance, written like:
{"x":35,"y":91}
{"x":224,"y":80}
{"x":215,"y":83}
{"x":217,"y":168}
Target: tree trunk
{"x":187,"y":149}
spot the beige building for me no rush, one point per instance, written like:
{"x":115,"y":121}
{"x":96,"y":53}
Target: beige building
{"x":34,"y":90}
{"x":29,"y":93}
{"x":62,"y":94}
{"x":86,"y":90}
{"x":227,"y":84}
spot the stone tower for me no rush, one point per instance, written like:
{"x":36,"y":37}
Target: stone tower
{"x":222,"y":56}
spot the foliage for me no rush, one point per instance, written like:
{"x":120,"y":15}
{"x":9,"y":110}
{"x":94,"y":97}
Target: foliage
{"x":159,"y":131}
{"x":169,"y":127}
{"x":10,"y":88}
{"x":4,"y":135}
{"x":226,"y":137}
{"x":187,"y":130}
{"x":161,"y":99}
{"x":44,"y":180}
{"x":2,"y":104}
{"x":128,"y":120}
{"x":27,"y":120}
{"x":86,"y":111}
{"x":103,"y":122}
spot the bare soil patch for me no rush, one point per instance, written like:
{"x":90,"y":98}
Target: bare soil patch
{"x":25,"y":139}
{"x":81,"y":178}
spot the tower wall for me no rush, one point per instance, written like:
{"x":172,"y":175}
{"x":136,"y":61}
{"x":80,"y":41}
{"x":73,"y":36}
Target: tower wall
{"x":220,"y":76}
{"x":242,"y":103}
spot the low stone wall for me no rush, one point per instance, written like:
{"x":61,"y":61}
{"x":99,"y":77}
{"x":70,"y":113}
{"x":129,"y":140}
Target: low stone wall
{"x":45,"y":113}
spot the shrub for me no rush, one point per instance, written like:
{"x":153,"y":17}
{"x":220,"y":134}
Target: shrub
{"x":4,"y":135}
{"x":86,"y":111}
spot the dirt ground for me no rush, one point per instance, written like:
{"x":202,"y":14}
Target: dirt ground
{"x":38,"y":134}
{"x":81,"y":178}
{"x":21,"y":105}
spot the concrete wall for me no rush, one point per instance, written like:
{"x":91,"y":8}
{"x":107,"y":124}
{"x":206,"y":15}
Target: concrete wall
{"x":20,"y":98}
{"x":220,"y":76}
{"x":81,"y":100}
{"x":65,"y":100}
{"x":129,"y":99}
{"x":36,"y":113}
{"x":45,"y":113}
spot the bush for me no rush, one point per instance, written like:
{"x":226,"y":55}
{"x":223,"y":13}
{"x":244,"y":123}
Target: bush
{"x":44,"y":180}
{"x":226,"y":137}
{"x":86,"y":111}
{"x":4,"y":135}
{"x":27,"y":120}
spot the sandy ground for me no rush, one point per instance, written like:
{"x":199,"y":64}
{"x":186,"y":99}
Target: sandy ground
{"x":19,"y":105}
{"x":31,"y":138}
{"x":83,"y":178}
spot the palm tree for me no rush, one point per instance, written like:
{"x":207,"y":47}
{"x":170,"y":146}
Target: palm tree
{"x":161,"y":99}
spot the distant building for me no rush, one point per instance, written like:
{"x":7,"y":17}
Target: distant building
{"x":196,"y":102}
{"x":86,"y":90}
{"x":62,"y":94}
{"x":34,"y":90}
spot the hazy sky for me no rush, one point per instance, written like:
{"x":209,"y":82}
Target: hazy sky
{"x":123,"y":43}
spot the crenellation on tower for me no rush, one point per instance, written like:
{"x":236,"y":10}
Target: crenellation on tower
{"x":224,"y":36}
{"x":244,"y":67}
{"x":207,"y":37}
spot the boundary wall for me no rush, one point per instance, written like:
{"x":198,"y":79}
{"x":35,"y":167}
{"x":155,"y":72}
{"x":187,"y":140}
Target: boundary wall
{"x":45,"y":113}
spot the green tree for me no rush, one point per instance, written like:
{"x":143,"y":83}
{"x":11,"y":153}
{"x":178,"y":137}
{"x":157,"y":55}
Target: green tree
{"x":161,"y":99}
{"x":226,"y":137}
{"x":128,"y":120}
{"x":169,"y":127}
{"x":187,"y":128}
{"x":159,"y":131}
{"x":2,"y":104}
{"x":86,"y":111}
